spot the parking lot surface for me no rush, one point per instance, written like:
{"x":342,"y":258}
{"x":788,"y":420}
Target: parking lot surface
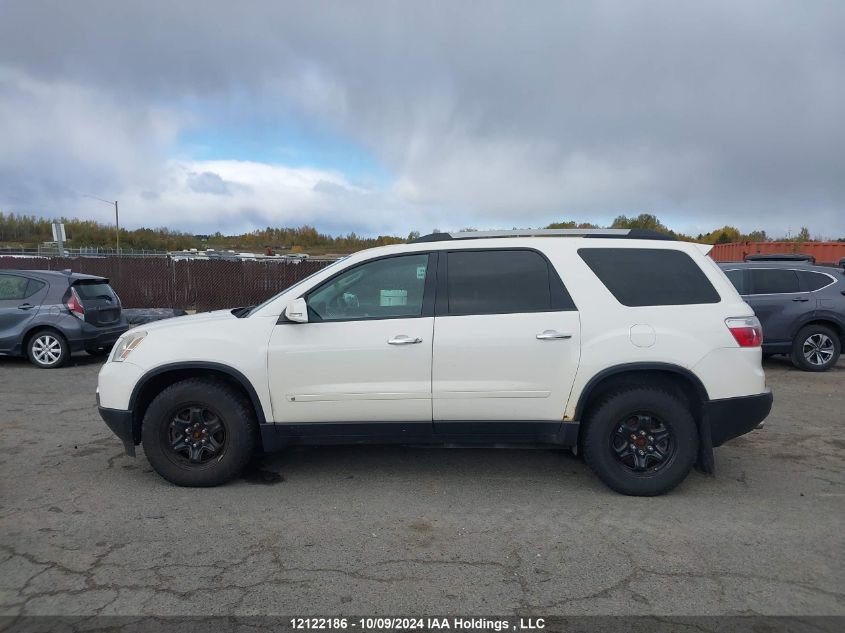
{"x":85,"y":529}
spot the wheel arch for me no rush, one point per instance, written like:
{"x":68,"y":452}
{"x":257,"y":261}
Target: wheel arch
{"x":827,"y":322}
{"x":679,"y":380}
{"x":34,"y":329}
{"x":158,"y":379}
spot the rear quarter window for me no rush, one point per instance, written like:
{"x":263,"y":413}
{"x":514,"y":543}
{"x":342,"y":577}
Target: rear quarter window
{"x":814,"y":281}
{"x":650,"y":276}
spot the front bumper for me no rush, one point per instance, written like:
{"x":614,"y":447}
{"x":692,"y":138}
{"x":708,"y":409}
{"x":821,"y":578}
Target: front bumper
{"x":120,"y":422}
{"x":731,"y":417}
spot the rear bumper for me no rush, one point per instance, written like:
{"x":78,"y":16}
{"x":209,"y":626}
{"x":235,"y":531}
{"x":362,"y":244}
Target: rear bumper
{"x":91,"y":337}
{"x":120,"y":422}
{"x":731,"y":417}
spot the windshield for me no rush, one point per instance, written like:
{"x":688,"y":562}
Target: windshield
{"x":254,"y":309}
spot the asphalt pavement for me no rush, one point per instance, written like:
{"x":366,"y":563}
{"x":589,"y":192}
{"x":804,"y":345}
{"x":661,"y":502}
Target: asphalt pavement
{"x":84,"y":529}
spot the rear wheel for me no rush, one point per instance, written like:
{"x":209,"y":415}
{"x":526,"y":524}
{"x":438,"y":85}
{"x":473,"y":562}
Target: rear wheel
{"x":641,"y":441}
{"x":199,"y":433}
{"x":815,"y":348}
{"x":48,"y":349}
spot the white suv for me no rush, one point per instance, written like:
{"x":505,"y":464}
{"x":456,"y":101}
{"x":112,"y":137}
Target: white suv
{"x":627,"y":347}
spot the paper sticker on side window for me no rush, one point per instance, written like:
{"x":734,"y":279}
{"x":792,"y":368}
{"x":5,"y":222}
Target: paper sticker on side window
{"x":420,"y":272}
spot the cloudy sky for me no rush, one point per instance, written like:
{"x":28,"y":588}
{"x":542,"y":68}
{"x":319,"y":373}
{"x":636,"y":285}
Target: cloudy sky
{"x":391,"y":116}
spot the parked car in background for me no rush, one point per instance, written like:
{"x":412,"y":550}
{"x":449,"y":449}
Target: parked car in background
{"x":801,"y":308}
{"x":47,"y":315}
{"x":630,"y":348}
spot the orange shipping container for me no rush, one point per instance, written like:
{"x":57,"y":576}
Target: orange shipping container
{"x":824,"y":252}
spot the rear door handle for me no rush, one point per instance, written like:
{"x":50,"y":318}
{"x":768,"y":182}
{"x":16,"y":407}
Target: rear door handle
{"x":25,"y":306}
{"x":403,"y":339}
{"x":800,"y":299}
{"x":550,"y":335}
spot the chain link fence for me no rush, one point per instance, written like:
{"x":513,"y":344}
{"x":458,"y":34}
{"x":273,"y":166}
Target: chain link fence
{"x":191,"y":284}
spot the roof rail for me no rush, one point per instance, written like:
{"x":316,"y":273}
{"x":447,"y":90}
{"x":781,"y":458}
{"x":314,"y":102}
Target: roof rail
{"x":631,"y":234}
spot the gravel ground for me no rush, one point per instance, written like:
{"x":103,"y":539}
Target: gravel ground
{"x":393,"y":530}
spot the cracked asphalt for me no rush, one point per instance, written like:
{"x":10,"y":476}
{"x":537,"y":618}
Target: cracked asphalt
{"x":393,"y":530}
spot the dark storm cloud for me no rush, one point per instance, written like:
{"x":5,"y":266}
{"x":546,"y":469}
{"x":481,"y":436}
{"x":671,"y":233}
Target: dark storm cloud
{"x":491,"y":114}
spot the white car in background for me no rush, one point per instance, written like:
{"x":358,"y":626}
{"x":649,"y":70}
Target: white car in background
{"x":626,"y":346}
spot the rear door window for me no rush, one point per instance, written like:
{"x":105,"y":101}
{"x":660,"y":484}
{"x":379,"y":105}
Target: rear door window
{"x":773,"y":281}
{"x":737,"y":278}
{"x":650,"y":276}
{"x":502,"y":282}
{"x":13,"y":287}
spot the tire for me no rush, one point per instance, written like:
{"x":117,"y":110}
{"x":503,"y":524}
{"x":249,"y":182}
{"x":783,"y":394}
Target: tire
{"x":213,"y":455}
{"x":815,"y":348}
{"x":625,"y":413}
{"x":47,"y":349}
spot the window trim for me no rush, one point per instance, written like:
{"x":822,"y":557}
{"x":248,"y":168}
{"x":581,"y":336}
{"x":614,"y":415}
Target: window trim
{"x":559,"y":297}
{"x":428,"y":290}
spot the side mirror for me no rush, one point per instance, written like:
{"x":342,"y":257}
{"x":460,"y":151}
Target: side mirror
{"x":297,"y":311}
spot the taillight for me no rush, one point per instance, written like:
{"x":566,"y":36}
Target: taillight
{"x":746,"y":330}
{"x":75,"y":305}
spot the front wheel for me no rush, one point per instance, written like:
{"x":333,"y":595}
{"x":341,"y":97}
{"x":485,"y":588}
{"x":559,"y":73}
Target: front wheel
{"x":641,"y":441}
{"x":815,"y":348}
{"x":199,"y":433}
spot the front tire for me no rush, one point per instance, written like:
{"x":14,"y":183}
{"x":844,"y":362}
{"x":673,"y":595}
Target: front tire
{"x":815,"y":348}
{"x":641,"y":441}
{"x":48,"y":349}
{"x":199,"y":433}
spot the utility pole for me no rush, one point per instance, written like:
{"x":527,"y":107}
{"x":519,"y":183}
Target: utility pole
{"x":116,"y":217}
{"x":117,"y":224}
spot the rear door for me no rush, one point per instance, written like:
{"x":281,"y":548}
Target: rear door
{"x":506,"y":343}
{"x":102,"y":307}
{"x":778,"y":301}
{"x":20,"y":298}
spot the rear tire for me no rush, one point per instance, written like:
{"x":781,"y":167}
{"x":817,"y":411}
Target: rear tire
{"x":815,"y":348}
{"x":199,"y":433}
{"x":47,"y":349}
{"x":629,"y":429}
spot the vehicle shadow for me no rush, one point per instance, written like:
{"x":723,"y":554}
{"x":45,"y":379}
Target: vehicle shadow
{"x":80,"y":359}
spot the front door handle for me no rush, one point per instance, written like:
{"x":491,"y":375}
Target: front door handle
{"x":802,"y":299}
{"x":551,"y":335}
{"x":403,"y":339}
{"x":25,"y":306}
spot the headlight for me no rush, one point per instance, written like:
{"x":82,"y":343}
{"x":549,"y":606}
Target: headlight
{"x":125,"y":346}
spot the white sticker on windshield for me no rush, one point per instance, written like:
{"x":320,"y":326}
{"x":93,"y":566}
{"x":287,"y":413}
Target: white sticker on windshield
{"x":420,"y":272}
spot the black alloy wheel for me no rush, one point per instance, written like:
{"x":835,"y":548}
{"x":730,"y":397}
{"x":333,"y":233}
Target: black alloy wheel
{"x":196,"y":434}
{"x":642,"y":443}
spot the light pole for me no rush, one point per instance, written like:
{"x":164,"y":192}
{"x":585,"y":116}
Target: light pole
{"x":116,"y":216}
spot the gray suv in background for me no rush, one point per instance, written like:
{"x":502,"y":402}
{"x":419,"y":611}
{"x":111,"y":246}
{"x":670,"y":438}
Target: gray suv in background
{"x":47,"y":315}
{"x":801,"y":308}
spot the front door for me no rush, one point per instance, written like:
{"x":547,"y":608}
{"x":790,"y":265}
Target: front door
{"x":365,"y":354}
{"x":506,"y":343}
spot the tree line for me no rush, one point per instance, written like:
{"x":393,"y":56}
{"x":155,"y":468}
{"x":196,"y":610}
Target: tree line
{"x":27,"y":231}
